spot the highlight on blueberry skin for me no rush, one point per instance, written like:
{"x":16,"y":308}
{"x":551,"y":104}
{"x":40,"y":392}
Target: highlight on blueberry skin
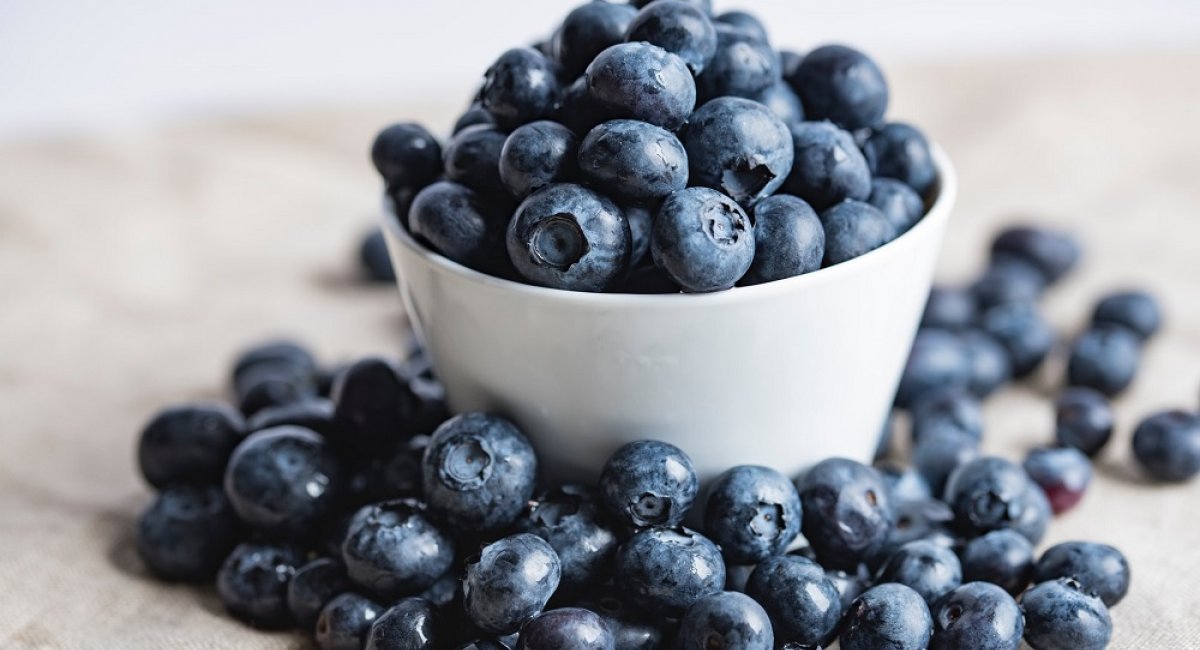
{"x":392,"y":549}
{"x":930,"y":569}
{"x":726,"y":620}
{"x":407,"y":156}
{"x":702,"y":239}
{"x":1060,"y":614}
{"x":509,"y":582}
{"x":643,"y":82}
{"x":665,"y":570}
{"x":535,"y":155}
{"x":847,"y":511}
{"x":681,"y":28}
{"x":408,"y":624}
{"x":789,"y":240}
{"x":458,"y":223}
{"x":977,"y":615}
{"x":752,"y":513}
{"x":588,"y":30}
{"x":739,"y":147}
{"x":649,"y":483}
{"x":743,"y":65}
{"x":634,"y":160}
{"x":888,"y":615}
{"x":570,"y":519}
{"x":252,"y":583}
{"x":828,"y":166}
{"x":473,"y":158}
{"x":344,"y":622}
{"x":568,"y":627}
{"x":804,"y":605}
{"x":521,"y":86}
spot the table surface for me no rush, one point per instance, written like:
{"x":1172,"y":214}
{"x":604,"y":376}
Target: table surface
{"x":133,"y":265}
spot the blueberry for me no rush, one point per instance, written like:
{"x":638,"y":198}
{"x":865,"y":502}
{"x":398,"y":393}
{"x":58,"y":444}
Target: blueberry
{"x":1063,"y":473}
{"x":273,"y":373}
{"x":681,"y":28}
{"x":783,"y":102}
{"x":789,"y":240}
{"x":473,"y":158}
{"x":567,"y":236}
{"x":315,"y":414}
{"x":828,"y":166}
{"x":1167,"y":445}
{"x":189,"y":443}
{"x":313,"y":585}
{"x":1053,"y":253}
{"x":459,"y":223}
{"x":1023,"y":332}
{"x":509,"y":582}
{"x":445,"y":591}
{"x":1099,"y":569}
{"x":744,"y":22}
{"x":344,"y":621}
{"x":900,"y":151}
{"x":988,"y":493}
{"x":521,"y":86}
{"x":579,"y":111}
{"x":1136,"y":311}
{"x":737,"y":575}
{"x":938,"y":454}
{"x":587,"y":31}
{"x":950,"y":308}
{"x":889,"y":615}
{"x":393,"y":550}
{"x":407,"y":625}
{"x":648,"y":280}
{"x":392,"y":472}
{"x":752,"y":513}
{"x":186,"y":533}
{"x":905,"y":484}
{"x":281,"y":353}
{"x":977,"y":615}
{"x":373,"y":405}
{"x":742,"y":66}
{"x":407,"y":156}
{"x":938,"y":360}
{"x":282,"y":480}
{"x":702,"y":239}
{"x":476,"y":114}
{"x":252,"y":583}
{"x":632,"y":629}
{"x":1034,"y":514}
{"x":703,"y":5}
{"x":1008,"y":279}
{"x":930,"y":569}
{"x":569,"y":628}
{"x":842,"y":85}
{"x":648,"y":483}
{"x":854,"y":228}
{"x":643,"y":82}
{"x":951,"y":410}
{"x":991,"y":367}
{"x":1083,"y":420}
{"x":570,"y":520}
{"x":898,"y":202}
{"x":1058,"y":614}
{"x":373,"y":258}
{"x":726,"y":620}
{"x":1002,"y":557}
{"x":803,"y":604}
{"x":479,"y":472}
{"x":847,"y":511}
{"x":1106,"y":358}
{"x":536,"y":155}
{"x":738,"y":146}
{"x":927,"y":520}
{"x":484,"y":644}
{"x":641,"y":221}
{"x":634,"y":160}
{"x":665,"y":570}
{"x":849,"y":585}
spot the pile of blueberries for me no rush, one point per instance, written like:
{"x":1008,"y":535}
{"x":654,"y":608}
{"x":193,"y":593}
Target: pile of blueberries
{"x":656,"y":148}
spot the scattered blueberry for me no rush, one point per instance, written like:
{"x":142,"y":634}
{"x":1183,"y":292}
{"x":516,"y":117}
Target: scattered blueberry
{"x":1136,"y":311}
{"x":738,"y":146}
{"x":681,"y":28}
{"x":702,"y":239}
{"x":949,"y":308}
{"x":938,"y":360}
{"x":587,"y":31}
{"x":854,"y":228}
{"x":1083,"y":420}
{"x":312,"y":586}
{"x":1002,"y":557}
{"x":789,"y":240}
{"x":252,"y":583}
{"x":803,"y":604}
{"x":1059,"y":614}
{"x":665,"y":570}
{"x":898,"y":202}
{"x":536,"y":155}
{"x":726,"y":620}
{"x":633,"y":160}
{"x":951,"y":410}
{"x":938,"y":454}
{"x":407,"y":156}
{"x":282,"y":480}
{"x":1099,"y":569}
{"x":1167,"y":445}
{"x":407,"y":625}
{"x":189,"y":443}
{"x":889,"y":615}
{"x":649,"y":483}
{"x":570,"y":520}
{"x":930,"y":569}
{"x":344,"y":621}
{"x":979,"y":616}
{"x":991,"y":367}
{"x":521,"y":86}
{"x":1053,"y":253}
{"x":752,"y":513}
{"x":473,"y":159}
{"x":273,"y":373}
{"x":987,"y":494}
{"x":828,"y":166}
{"x":1063,"y":473}
{"x":643,"y":82}
{"x":743,"y":65}
{"x":569,"y":628}
{"x":1105,"y":358}
{"x":509,"y":582}
{"x":1022,"y":330}
{"x":373,"y":258}
{"x":459,"y":223}
{"x":900,"y":151}
{"x":392,"y":550}
{"x":843,"y":85}
{"x":186,"y":533}
{"x":847,"y":511}
{"x":315,"y":414}
{"x":1006,"y":279}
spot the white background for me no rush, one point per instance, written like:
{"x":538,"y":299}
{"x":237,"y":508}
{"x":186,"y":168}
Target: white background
{"x":79,"y":64}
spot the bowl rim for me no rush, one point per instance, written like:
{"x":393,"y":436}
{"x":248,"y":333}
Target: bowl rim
{"x":946,"y":194}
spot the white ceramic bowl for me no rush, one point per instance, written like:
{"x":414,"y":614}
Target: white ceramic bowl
{"x":782,"y":374}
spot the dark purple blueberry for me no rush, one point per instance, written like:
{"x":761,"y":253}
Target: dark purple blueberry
{"x":392,"y":550}
{"x":938,"y":454}
{"x":681,"y":28}
{"x":1006,"y":279}
{"x":633,"y":160}
{"x":252,"y":583}
{"x":282,"y":481}
{"x":648,"y":483}
{"x":459,"y":223}
{"x":536,"y":155}
{"x":847,"y":511}
{"x":643,"y":82}
{"x":1167,"y":445}
{"x":1002,"y":557}
{"x":1106,"y":358}
{"x":479,"y":472}
{"x":789,"y":240}
{"x":898,"y":202}
{"x":407,"y":156}
{"x":407,"y":625}
{"x":843,"y":85}
{"x":373,"y":258}
{"x":587,"y":31}
{"x":1053,"y":253}
{"x":1099,"y":569}
{"x":1022,"y":330}
{"x":739,"y":147}
{"x":828,"y":166}
{"x":665,"y":570}
{"x":373,"y":406}
{"x":316,"y":414}
{"x":930,"y":569}
{"x":1059,"y":614}
{"x":900,"y":151}
{"x":1063,"y":473}
{"x":702,"y":239}
{"x":1136,"y":311}
{"x":569,"y":628}
{"x":567,"y":236}
{"x":752,"y":513}
{"x":344,"y":621}
{"x":186,"y":532}
{"x":951,"y":410}
{"x":991,"y":367}
{"x":743,"y":65}
{"x":979,"y":616}
{"x":472,"y":158}
{"x":570,"y":520}
{"x":803,"y":604}
{"x":1083,"y":420}
{"x":189,"y":443}
{"x":509,"y":582}
{"x":521,"y":86}
{"x":854,"y":228}
{"x":783,"y":102}
{"x":987,"y":494}
{"x":726,"y":620}
{"x":889,"y":615}
{"x":938,"y":360}
{"x":313,"y":585}
{"x":951,"y":308}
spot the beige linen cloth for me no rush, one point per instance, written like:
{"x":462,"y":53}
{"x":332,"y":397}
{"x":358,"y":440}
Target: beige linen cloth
{"x":133,"y":265}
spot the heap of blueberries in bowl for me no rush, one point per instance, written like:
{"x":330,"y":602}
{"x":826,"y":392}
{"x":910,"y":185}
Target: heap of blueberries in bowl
{"x":654,"y":148}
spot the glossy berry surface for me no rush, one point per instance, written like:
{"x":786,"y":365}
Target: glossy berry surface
{"x":979,"y":616}
{"x":1059,"y":614}
{"x":930,"y":569}
{"x":570,"y":519}
{"x":936,"y":361}
{"x":521,"y":86}
{"x":1063,"y":473}
{"x":1136,"y":311}
{"x":282,"y":480}
{"x":588,"y":30}
{"x":407,"y":625}
{"x":724,"y":621}
{"x":472,"y":158}
{"x":752,"y":513}
{"x":252,"y":583}
{"x":568,"y":628}
{"x":702,"y":239}
{"x":537,"y":154}
{"x":847,"y":511}
{"x":898,"y":202}
{"x":648,"y":483}
{"x":391,"y":549}
{"x":1105,"y":358}
{"x":681,"y":28}
{"x":789,"y":240}
{"x":643,"y":82}
{"x":633,"y":160}
{"x":739,"y":147}
{"x":742,"y":66}
{"x":344,"y":621}
{"x":900,"y":151}
{"x":1002,"y":557}
{"x":509,"y":582}
{"x":854,"y":228}
{"x":631,"y":627}
{"x":458,"y":223}
{"x":407,"y":156}
{"x":987,"y":494}
{"x":1167,"y":445}
{"x":843,"y":85}
{"x":828,"y":166}
{"x":803,"y":604}
{"x":1083,"y":420}
{"x":312,"y":586}
{"x":1022,"y":330}
{"x":889,"y":615}
{"x":566,"y":236}
{"x":189,"y":443}
{"x":665,"y":570}
{"x":1099,"y":569}
{"x":186,"y":532}
{"x":1053,"y":253}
